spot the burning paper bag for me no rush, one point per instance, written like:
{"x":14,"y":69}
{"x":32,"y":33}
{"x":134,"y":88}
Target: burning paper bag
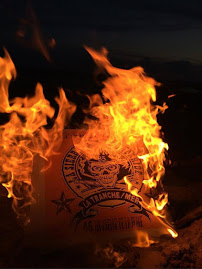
{"x":80,"y":200}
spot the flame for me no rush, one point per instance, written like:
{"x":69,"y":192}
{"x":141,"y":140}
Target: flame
{"x":143,"y":240}
{"x":155,"y":206}
{"x":25,"y":135}
{"x":126,"y":116}
{"x":173,"y":233}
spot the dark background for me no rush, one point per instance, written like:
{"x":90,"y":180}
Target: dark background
{"x":45,"y":40}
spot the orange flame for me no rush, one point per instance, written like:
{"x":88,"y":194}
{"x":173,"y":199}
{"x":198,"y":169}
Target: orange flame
{"x":25,"y":136}
{"x":155,"y":206}
{"x":128,"y":118}
{"x":143,"y":240}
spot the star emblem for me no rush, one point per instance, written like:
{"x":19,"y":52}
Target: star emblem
{"x":62,"y":204}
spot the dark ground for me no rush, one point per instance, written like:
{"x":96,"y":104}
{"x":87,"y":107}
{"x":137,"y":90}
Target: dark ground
{"x":181,"y":125}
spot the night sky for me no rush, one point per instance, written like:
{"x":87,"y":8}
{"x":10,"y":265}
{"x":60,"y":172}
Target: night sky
{"x":159,"y":30}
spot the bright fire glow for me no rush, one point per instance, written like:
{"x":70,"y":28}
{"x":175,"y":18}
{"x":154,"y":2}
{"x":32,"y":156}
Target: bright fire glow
{"x":24,"y":136}
{"x":128,"y":118}
{"x":143,"y":240}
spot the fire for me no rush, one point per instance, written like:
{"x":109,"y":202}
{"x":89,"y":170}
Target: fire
{"x":173,"y":233}
{"x":126,"y":117}
{"x":25,"y":136}
{"x":143,"y":240}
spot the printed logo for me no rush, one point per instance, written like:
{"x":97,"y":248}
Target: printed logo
{"x":100,"y":182}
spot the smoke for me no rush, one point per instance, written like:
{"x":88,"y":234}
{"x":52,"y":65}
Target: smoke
{"x":29,"y":34}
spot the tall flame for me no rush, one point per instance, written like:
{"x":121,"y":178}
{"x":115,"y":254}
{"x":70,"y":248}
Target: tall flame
{"x":127,"y":117}
{"x":25,"y":136}
{"x":124,"y":117}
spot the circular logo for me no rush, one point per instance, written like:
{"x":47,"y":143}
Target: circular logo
{"x":86,"y":177}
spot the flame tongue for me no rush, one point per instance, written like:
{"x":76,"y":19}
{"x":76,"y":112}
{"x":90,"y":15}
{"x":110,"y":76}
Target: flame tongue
{"x":7,"y":71}
{"x":127,"y":119}
{"x":24,"y":135}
